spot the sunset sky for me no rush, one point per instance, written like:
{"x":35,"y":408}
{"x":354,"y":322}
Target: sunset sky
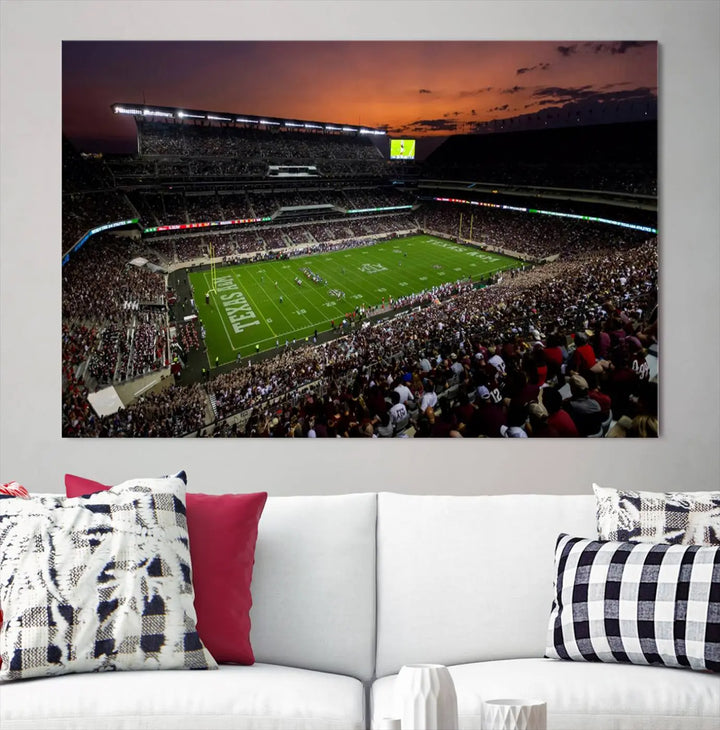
{"x":414,"y":88}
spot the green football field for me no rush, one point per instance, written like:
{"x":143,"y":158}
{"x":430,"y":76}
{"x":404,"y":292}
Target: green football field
{"x":262,"y":304}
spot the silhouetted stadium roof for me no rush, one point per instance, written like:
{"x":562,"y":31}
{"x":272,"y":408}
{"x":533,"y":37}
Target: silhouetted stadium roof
{"x":628,"y":142}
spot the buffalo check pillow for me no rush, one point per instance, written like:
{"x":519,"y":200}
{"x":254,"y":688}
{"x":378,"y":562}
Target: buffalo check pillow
{"x":636,"y":602}
{"x":686,"y":518}
{"x":97,"y":584}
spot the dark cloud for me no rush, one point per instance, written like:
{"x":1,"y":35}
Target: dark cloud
{"x":472,"y":111}
{"x":612,"y":86}
{"x":425,"y":91}
{"x":512,"y":90}
{"x":560,"y":93}
{"x":527,"y":69}
{"x":502,"y":108}
{"x":617,"y":46}
{"x":563,"y":95}
{"x":475,"y":92}
{"x":431,"y":125}
{"x":567,"y":50}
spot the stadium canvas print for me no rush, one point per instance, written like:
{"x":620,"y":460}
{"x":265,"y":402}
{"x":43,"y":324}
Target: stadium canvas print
{"x":457,"y":240}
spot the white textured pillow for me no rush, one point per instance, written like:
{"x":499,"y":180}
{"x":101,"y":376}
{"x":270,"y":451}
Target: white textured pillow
{"x":674,"y":518}
{"x":98,"y":583}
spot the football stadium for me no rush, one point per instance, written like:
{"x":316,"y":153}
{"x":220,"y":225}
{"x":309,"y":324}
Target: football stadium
{"x":247,"y":276}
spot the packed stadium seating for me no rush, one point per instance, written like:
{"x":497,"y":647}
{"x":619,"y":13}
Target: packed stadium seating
{"x":474,"y":360}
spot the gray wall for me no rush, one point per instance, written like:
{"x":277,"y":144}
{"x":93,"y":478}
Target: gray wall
{"x":31,"y":449}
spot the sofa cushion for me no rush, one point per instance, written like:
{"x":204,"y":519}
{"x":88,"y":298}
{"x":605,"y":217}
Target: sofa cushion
{"x":587,"y":696}
{"x":223,"y":531}
{"x":463,"y":579}
{"x":636,"y":603}
{"x":13,"y":489}
{"x":261,"y":697}
{"x":98,"y":584}
{"x":687,"y":518}
{"x":314,"y":584}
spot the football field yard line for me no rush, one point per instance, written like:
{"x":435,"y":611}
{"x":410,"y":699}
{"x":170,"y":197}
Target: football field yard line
{"x":301,"y":290}
{"x":292,"y":285}
{"x":258,"y":309}
{"x":407,"y":269}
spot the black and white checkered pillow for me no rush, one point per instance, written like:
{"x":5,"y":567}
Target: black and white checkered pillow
{"x":636,"y":602}
{"x":682,"y":518}
{"x":98,"y":583}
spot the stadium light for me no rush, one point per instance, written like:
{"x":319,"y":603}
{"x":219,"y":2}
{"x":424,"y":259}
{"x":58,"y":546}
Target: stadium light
{"x":330,"y":128}
{"x":264,"y":121}
{"x":312,"y":126}
{"x":378,"y":210}
{"x":349,"y":129}
{"x":293,"y":124}
{"x":622,"y":224}
{"x":185,"y":115}
{"x":247,"y":121}
{"x":219,"y":119}
{"x":155,"y":113}
{"x":123,"y":110}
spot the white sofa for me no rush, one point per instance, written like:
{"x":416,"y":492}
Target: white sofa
{"x":347,"y":589}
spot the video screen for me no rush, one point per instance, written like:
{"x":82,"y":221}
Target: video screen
{"x":402,"y":149}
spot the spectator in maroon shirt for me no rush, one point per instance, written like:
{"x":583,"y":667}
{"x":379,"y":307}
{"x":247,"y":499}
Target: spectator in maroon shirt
{"x":583,"y":359}
{"x":555,"y":355}
{"x":558,"y":419}
{"x":596,"y":394}
{"x":489,"y":416}
{"x":464,"y":411}
{"x":539,"y":426}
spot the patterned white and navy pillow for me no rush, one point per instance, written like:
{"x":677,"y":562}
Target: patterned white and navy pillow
{"x":98,"y":583}
{"x":636,"y":602}
{"x":675,"y":518}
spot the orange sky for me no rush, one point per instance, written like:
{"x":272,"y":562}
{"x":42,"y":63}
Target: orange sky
{"x":413,"y":87}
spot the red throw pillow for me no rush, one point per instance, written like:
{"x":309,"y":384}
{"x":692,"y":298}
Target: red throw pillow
{"x":223,"y":530}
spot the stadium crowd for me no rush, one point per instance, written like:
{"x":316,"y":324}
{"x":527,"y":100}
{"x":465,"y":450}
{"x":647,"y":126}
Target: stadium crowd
{"x":496,"y":360}
{"x":273,"y":146}
{"x":481,"y":354}
{"x":555,"y":350}
{"x":83,"y":211}
{"x":532,"y":235}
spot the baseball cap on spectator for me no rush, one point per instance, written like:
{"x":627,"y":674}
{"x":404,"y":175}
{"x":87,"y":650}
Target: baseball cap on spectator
{"x":578,"y":384}
{"x":537,"y":410}
{"x":498,"y":363}
{"x":513,"y":432}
